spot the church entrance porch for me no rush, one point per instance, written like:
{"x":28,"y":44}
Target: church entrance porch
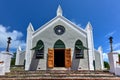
{"x":59,"y":57}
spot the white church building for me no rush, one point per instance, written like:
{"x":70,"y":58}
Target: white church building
{"x":60,"y":45}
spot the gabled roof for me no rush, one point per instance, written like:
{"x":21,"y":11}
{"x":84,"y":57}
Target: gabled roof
{"x":60,"y":18}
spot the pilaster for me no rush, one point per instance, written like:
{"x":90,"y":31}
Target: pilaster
{"x":18,"y":55}
{"x":28,"y":54}
{"x":101,"y":57}
{"x":90,"y":46}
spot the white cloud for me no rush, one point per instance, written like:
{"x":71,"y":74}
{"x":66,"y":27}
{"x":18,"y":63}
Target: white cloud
{"x":116,"y":46}
{"x":76,"y":23}
{"x":15,"y":35}
{"x":110,"y":34}
{"x":118,"y":51}
{"x":105,"y":57}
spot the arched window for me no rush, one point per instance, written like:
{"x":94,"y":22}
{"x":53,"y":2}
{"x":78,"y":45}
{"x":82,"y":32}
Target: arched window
{"x":79,"y":51}
{"x":39,"y":50}
{"x":59,"y":44}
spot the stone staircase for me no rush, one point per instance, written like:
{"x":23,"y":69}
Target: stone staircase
{"x":59,"y":75}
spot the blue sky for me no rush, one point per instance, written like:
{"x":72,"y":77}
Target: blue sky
{"x":104,"y":16}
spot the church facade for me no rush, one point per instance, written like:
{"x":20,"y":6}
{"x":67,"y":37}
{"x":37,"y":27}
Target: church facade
{"x":61,"y":45}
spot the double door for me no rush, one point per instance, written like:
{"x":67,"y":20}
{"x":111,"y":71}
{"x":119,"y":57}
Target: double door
{"x":59,"y":58}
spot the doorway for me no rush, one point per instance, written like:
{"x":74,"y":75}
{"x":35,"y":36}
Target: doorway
{"x":59,"y":57}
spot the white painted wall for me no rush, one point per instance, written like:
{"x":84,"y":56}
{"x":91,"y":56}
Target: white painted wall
{"x":117,"y":70}
{"x":6,"y":58}
{"x":72,"y":34}
{"x":101,"y":57}
{"x":47,"y":35}
{"x":18,"y":56}
{"x":2,"y":71}
{"x":114,"y":66}
{"x":69,"y":38}
{"x":97,"y":60}
{"x":113,"y":58}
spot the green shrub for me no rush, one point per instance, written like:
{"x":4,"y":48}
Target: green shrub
{"x":13,"y":59}
{"x":106,"y":65}
{"x":119,"y":57}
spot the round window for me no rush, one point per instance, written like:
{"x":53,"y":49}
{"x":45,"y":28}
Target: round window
{"x":59,"y":29}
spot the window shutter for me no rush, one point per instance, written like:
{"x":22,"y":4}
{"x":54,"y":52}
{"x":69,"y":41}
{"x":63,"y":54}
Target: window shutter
{"x":50,"y":58}
{"x":67,"y":58}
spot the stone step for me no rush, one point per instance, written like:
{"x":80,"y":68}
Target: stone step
{"x":59,"y":71}
{"x":52,"y":73}
{"x":59,"y":74}
{"x":61,"y":78}
{"x":47,"y":74}
{"x":81,"y":74}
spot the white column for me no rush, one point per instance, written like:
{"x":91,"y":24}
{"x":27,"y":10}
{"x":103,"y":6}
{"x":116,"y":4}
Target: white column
{"x":90,"y":46}
{"x":101,"y":57}
{"x":28,"y":53}
{"x":6,"y":58}
{"x":17,"y":61}
{"x":2,"y":71}
{"x":2,"y":68}
{"x":114,"y":66}
{"x":113,"y":58}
